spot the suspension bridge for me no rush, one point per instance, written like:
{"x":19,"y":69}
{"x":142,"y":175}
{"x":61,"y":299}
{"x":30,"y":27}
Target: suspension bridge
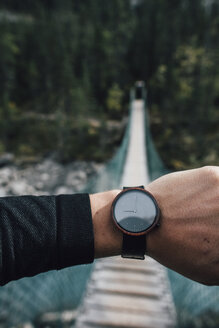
{"x":129,"y":293}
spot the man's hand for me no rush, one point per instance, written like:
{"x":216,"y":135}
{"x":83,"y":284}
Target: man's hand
{"x":187,"y":240}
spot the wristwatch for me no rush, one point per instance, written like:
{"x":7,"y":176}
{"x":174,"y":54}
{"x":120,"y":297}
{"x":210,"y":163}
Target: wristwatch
{"x":135,"y":212}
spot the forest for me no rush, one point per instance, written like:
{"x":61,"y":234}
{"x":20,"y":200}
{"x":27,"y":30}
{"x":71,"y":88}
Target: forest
{"x":66,"y":68}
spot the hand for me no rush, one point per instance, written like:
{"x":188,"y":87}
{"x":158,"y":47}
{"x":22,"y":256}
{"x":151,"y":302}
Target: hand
{"x":187,"y":240}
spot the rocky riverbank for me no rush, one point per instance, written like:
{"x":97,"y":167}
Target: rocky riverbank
{"x":46,"y":177}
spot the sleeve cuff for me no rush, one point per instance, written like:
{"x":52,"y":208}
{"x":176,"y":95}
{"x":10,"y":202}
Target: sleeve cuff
{"x":75,"y":237}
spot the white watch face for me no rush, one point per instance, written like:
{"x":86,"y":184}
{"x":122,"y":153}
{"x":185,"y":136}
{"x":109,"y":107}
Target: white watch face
{"x":135,"y":211}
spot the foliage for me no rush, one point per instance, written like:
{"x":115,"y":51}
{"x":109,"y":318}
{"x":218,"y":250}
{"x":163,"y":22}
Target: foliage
{"x":114,"y":100}
{"x":63,"y":63}
{"x":54,"y":66}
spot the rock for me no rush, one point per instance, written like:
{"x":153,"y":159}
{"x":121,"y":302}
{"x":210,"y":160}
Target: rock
{"x":57,"y":319}
{"x":75,"y":177}
{"x":3,"y":316}
{"x":6,"y":159}
{"x":6,"y":174}
{"x":39,"y":185}
{"x":63,"y":190}
{"x":3,"y":192}
{"x":26,"y":325}
{"x":44,"y":177}
{"x":81,"y":175}
{"x":20,"y":187}
{"x":48,"y":165}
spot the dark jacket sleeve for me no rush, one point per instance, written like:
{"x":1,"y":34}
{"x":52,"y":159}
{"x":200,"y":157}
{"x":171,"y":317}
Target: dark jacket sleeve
{"x":42,"y":233}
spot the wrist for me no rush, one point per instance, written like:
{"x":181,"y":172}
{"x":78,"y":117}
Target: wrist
{"x":156,"y":247}
{"x":107,"y":237}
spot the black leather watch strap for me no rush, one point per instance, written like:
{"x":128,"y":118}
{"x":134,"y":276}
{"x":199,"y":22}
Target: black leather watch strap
{"x":134,"y":247}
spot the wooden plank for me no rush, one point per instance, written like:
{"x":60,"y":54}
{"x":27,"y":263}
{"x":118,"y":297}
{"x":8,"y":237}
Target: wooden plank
{"x":117,"y":259}
{"x":128,"y":302}
{"x":126,"y":276}
{"x":128,"y":267}
{"x":111,"y":318}
{"x":129,"y":289}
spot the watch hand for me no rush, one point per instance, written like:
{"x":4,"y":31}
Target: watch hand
{"x":135,"y":208}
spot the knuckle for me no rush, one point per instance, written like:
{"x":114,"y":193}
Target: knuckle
{"x":212,"y":173}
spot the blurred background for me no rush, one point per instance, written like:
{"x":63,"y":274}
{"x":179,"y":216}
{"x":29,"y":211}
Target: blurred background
{"x":66,"y":70}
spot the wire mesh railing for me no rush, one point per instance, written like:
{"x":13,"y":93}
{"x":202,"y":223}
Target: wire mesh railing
{"x":24,"y":300}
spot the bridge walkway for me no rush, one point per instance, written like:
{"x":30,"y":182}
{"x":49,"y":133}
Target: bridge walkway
{"x":123,"y":292}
